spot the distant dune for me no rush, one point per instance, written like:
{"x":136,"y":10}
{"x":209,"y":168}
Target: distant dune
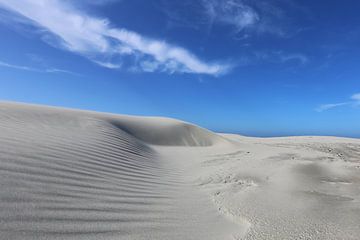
{"x":69,"y":174}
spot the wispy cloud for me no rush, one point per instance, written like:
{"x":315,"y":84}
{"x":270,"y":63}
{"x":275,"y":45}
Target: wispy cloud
{"x":245,"y":16}
{"x":282,"y":57}
{"x":355,"y":101}
{"x":231,"y":12}
{"x":97,"y":2}
{"x":25,"y":68}
{"x":107,"y":46}
{"x":108,"y":64}
{"x":303,"y":59}
{"x":32,"y":69}
{"x":324,"y":107}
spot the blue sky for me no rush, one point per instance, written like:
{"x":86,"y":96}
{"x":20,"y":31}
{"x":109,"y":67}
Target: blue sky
{"x":262,"y":68}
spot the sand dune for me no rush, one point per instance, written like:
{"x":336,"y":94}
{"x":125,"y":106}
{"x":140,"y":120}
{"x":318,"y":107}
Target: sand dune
{"x":68,"y":174}
{"x":81,"y":175}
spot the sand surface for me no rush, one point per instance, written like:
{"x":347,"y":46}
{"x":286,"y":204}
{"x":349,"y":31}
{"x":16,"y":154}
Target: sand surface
{"x":69,"y":174}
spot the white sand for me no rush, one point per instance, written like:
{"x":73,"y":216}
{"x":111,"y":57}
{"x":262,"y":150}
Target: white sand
{"x":67,"y":174}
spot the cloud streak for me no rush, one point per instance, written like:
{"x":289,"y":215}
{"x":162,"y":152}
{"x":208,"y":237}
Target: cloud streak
{"x":325,"y":107}
{"x":303,"y":59}
{"x":355,"y":101}
{"x":31,"y":69}
{"x":282,"y":57}
{"x":105,"y":45}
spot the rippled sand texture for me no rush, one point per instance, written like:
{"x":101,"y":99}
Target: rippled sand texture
{"x":67,"y":174}
{"x":77,"y":175}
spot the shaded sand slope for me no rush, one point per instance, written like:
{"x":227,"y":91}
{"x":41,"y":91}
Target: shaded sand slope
{"x":68,"y":174}
{"x":166,"y":131}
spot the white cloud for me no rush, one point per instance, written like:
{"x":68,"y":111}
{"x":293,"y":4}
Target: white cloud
{"x":149,"y":66}
{"x":108,"y":64}
{"x":57,"y":70}
{"x":97,"y":39}
{"x":32,"y":69}
{"x":355,"y":101}
{"x":25,"y":68}
{"x":325,"y":107}
{"x":170,"y":58}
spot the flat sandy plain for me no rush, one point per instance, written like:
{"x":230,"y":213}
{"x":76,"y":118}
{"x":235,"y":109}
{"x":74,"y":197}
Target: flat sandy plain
{"x":70,"y":174}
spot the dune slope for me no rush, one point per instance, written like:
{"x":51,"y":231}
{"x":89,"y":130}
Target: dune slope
{"x":68,"y":174}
